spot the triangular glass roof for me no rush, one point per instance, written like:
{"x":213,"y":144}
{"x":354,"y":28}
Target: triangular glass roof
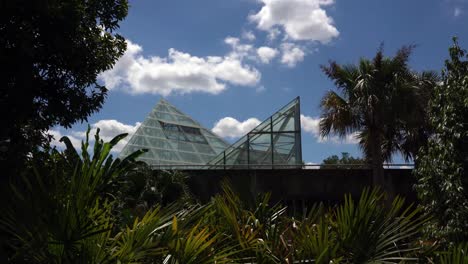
{"x":275,"y":143}
{"x":173,"y":138}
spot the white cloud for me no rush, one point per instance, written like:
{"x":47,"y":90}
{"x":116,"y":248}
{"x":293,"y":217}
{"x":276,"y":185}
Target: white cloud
{"x":108,"y":129}
{"x":273,"y":34}
{"x":248,"y":35}
{"x":300,"y":19}
{"x":229,"y":127}
{"x":57,"y":135}
{"x":311,"y":125}
{"x":457,"y":11}
{"x":266,"y":54}
{"x":291,"y":54}
{"x":179,"y":72}
{"x":239,"y":51}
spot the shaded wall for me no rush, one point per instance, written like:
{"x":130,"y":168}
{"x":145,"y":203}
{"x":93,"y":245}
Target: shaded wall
{"x":306,"y":186}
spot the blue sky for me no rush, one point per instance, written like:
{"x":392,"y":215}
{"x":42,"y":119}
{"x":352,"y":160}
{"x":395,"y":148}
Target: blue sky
{"x":229,"y":64}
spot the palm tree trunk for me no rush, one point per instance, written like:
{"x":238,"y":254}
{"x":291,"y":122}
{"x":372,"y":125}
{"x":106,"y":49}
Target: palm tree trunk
{"x":378,"y":178}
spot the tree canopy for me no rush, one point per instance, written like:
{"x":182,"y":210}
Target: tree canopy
{"x":346,"y":159}
{"x":443,"y":164}
{"x":53,"y":52}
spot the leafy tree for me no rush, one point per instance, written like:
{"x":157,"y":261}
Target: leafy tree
{"x":443,"y":164}
{"x":346,"y":159}
{"x":381,"y":100}
{"x":53,"y":52}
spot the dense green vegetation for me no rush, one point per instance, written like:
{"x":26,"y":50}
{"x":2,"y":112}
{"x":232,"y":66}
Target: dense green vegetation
{"x":443,"y":164}
{"x":68,"y":209}
{"x":63,"y":211}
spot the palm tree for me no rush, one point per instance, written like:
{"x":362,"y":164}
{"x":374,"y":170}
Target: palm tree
{"x":383,"y":102}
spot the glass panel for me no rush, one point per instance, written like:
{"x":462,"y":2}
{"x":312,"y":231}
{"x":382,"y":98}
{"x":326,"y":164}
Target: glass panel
{"x":168,"y":155}
{"x":165,"y":116}
{"x":284,"y":146}
{"x":151,"y":123}
{"x":185,"y":146}
{"x":159,"y":143}
{"x":217,"y":142}
{"x":202,"y":148}
{"x":138,"y":140}
{"x":259,"y":153}
{"x":152,"y":132}
{"x":184,"y":120}
{"x":205,"y":158}
{"x":175,"y":110}
{"x":189,"y":157}
{"x":162,"y":108}
{"x":284,"y":123}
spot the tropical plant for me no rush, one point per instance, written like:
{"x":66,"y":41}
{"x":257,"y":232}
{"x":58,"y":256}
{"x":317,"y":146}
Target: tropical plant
{"x":64,"y":211}
{"x":382,"y":102}
{"x":442,"y":165}
{"x":55,"y":209}
{"x":456,"y":255}
{"x":367,"y":232}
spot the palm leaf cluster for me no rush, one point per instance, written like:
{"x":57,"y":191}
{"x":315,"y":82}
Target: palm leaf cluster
{"x":382,"y":102}
{"x":64,"y":212}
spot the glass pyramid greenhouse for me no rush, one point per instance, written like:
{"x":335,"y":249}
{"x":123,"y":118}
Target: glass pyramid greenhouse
{"x":275,"y":142}
{"x":173,"y":138}
{"x":175,"y":141}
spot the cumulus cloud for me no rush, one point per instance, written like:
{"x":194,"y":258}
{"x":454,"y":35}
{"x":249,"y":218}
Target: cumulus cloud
{"x":311,"y":125}
{"x":300,"y":19}
{"x":240,"y":50}
{"x":108,"y":129}
{"x":266,"y":54}
{"x":457,"y":11}
{"x":291,"y":54}
{"x":179,"y":72}
{"x":229,"y":127}
{"x":248,"y":35}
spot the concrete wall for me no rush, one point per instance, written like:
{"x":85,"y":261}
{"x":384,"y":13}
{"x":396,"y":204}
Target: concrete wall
{"x":307,"y":186}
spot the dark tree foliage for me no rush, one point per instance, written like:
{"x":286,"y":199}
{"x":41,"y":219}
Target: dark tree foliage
{"x":346,"y":159}
{"x":442,"y":165}
{"x":52,"y":52}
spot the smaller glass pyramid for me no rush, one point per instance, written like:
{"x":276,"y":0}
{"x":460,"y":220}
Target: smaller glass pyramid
{"x":275,"y":143}
{"x":173,"y":138}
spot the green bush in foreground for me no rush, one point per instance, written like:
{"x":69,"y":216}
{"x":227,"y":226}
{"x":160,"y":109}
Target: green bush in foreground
{"x":66,"y":210}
